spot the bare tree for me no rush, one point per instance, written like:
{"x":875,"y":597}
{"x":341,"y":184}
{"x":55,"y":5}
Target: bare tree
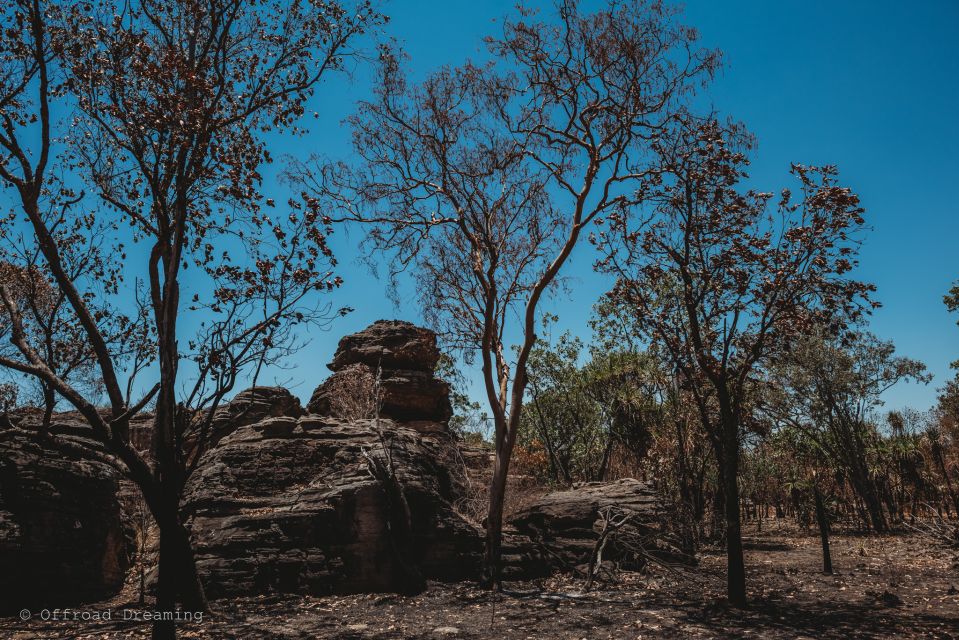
{"x":171,"y":100}
{"x":483,"y":178}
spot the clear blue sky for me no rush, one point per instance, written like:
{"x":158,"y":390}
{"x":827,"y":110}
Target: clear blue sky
{"x":872,"y":87}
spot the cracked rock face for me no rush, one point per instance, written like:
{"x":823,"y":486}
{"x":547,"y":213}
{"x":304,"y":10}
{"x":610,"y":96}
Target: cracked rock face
{"x":392,"y":361}
{"x":62,"y":538}
{"x":296,"y":503}
{"x":390,"y":344}
{"x":568,"y":523}
{"x":290,"y":505}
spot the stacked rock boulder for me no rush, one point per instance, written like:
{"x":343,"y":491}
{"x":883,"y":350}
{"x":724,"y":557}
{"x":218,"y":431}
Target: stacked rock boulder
{"x":354,"y":495}
{"x":389,"y":364}
{"x":63,"y":540}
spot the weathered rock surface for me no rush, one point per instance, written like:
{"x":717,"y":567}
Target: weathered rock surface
{"x":390,"y":344}
{"x":289,"y":505}
{"x":62,"y":540}
{"x":72,"y":423}
{"x":565,"y":525}
{"x":334,"y":501}
{"x":386,"y":370}
{"x":404,"y":394}
{"x":574,"y":511}
{"x":249,"y":406}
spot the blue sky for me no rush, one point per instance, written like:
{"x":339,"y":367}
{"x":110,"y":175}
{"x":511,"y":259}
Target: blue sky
{"x":872,"y":87}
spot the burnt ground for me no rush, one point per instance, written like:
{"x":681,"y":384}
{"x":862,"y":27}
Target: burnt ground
{"x":896,"y":586}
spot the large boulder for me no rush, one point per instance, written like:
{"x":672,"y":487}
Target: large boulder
{"x":298,"y":506}
{"x":248,"y":406}
{"x":565,"y":525}
{"x":62,"y":539}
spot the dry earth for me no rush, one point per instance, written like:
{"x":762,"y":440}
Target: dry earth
{"x":884,"y":587}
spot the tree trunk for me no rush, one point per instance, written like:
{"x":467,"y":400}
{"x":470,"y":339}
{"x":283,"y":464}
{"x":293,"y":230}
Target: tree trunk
{"x":864,"y":485}
{"x":49,"y":401}
{"x":871,"y":500}
{"x":166,"y":586}
{"x":720,"y":497}
{"x":494,"y":519}
{"x":823,"y":531}
{"x":735,"y":565}
{"x":937,"y":454}
{"x":177,"y":579}
{"x":607,"y":455}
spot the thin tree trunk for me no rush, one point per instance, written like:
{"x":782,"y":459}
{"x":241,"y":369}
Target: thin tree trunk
{"x":49,"y":401}
{"x":871,"y":500}
{"x":823,"y":531}
{"x":556,"y":467}
{"x":937,"y":453}
{"x":607,"y":455}
{"x":494,"y":518}
{"x":735,"y":565}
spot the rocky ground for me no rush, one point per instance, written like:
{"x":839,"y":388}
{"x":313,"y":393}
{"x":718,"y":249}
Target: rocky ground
{"x":885,"y":587}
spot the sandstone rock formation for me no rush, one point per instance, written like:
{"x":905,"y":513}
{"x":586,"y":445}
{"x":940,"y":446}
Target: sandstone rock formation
{"x":364,"y":491}
{"x":392,"y":361}
{"x":62,"y":539}
{"x":390,"y":344}
{"x":249,"y":406}
{"x":565,"y":525}
{"x":339,"y":500}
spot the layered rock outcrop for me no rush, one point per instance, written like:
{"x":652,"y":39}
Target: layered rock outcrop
{"x":355,"y":495}
{"x":62,"y":537}
{"x":390,"y":364}
{"x":249,"y":406}
{"x":565,"y":525}
{"x":358,"y":492}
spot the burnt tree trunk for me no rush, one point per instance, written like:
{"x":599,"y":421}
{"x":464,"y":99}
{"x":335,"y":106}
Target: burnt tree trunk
{"x":735,"y":565}
{"x":871,"y":500}
{"x":823,"y":521}
{"x":49,"y":402}
{"x":940,"y":461}
{"x":177,"y":575}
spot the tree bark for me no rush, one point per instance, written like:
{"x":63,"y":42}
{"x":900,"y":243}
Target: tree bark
{"x":870,"y":498}
{"x":494,"y":518}
{"x":719,"y":498}
{"x":940,"y":460}
{"x":49,"y":401}
{"x":178,"y":580}
{"x":735,"y":565}
{"x":823,"y":531}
